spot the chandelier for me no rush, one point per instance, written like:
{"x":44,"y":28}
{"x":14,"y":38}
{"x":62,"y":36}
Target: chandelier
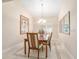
{"x":42,"y":20}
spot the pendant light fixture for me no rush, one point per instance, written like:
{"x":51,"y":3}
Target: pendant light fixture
{"x":42,"y":20}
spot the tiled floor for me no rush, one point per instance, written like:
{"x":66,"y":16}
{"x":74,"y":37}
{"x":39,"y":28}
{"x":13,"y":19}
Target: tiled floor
{"x":58,"y":51}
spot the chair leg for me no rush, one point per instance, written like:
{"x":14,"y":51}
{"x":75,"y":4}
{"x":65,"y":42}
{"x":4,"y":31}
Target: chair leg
{"x":50,"y":45}
{"x":46,"y":51}
{"x":24,"y":47}
{"x":38,"y":54}
{"x":28,"y":52}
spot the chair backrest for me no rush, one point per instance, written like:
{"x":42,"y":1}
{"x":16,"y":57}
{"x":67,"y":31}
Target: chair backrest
{"x":50,"y":36}
{"x":33,"y":40}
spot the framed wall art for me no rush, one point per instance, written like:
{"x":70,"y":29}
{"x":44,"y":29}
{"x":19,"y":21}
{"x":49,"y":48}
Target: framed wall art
{"x":24,"y":24}
{"x":64,"y":25}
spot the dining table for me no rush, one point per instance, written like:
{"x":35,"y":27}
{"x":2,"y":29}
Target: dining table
{"x":43,"y":38}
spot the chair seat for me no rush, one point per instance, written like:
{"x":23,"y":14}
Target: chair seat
{"x":40,"y":46}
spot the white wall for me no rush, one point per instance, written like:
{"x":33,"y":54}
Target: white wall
{"x":69,"y":41}
{"x":11,"y":23}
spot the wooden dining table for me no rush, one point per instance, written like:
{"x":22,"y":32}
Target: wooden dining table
{"x":43,"y":38}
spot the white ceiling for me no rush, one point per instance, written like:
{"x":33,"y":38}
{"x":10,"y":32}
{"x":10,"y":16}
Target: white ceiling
{"x":50,"y":8}
{"x":33,"y":7}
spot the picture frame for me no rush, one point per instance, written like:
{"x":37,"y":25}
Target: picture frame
{"x":64,"y":25}
{"x":24,"y":24}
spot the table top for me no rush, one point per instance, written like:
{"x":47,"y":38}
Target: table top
{"x":44,"y":37}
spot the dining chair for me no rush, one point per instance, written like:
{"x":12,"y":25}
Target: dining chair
{"x":33,"y":42}
{"x":49,"y":40}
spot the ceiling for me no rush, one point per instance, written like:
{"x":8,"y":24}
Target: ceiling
{"x":6,"y":0}
{"x":50,"y":8}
